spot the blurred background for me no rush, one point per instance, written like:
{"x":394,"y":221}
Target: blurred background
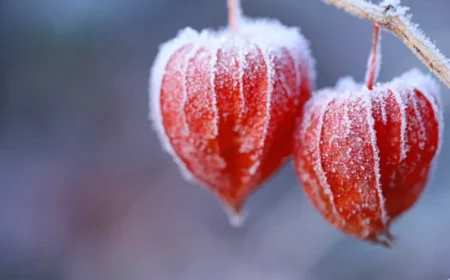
{"x":87,"y":192}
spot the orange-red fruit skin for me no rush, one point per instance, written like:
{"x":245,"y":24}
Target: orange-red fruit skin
{"x":364,"y":157}
{"x":228,"y":107}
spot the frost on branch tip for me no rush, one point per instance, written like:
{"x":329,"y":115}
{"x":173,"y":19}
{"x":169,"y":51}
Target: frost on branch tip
{"x":393,"y":8}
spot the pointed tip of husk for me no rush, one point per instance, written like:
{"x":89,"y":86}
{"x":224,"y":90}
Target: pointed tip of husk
{"x":236,"y":215}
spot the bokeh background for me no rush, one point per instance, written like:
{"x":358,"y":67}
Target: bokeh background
{"x":86,"y":191}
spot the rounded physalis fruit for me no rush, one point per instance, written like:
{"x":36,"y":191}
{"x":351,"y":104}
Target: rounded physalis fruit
{"x":224,"y":103}
{"x":364,"y":153}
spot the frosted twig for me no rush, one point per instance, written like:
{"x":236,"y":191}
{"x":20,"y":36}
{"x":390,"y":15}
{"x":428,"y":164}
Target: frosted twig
{"x":391,"y":16}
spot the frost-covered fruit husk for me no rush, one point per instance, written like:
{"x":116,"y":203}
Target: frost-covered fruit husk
{"x":364,"y":156}
{"x":224,"y":104}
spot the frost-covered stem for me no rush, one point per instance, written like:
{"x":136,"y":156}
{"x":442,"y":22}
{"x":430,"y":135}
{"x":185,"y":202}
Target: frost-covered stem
{"x":374,"y":59}
{"x":394,"y":19}
{"x":234,"y":14}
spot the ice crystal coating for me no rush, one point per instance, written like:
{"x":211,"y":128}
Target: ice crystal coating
{"x":364,"y":157}
{"x":224,"y":104}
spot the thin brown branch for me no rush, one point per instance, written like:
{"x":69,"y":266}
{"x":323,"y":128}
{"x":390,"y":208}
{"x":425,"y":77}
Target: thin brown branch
{"x":394,"y":19}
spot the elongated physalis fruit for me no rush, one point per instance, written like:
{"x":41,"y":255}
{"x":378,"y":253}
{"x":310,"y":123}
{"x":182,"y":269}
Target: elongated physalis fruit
{"x":364,"y":152}
{"x":224,"y":104}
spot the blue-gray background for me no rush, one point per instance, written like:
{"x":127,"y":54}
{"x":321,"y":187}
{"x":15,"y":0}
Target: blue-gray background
{"x":87,"y":193}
